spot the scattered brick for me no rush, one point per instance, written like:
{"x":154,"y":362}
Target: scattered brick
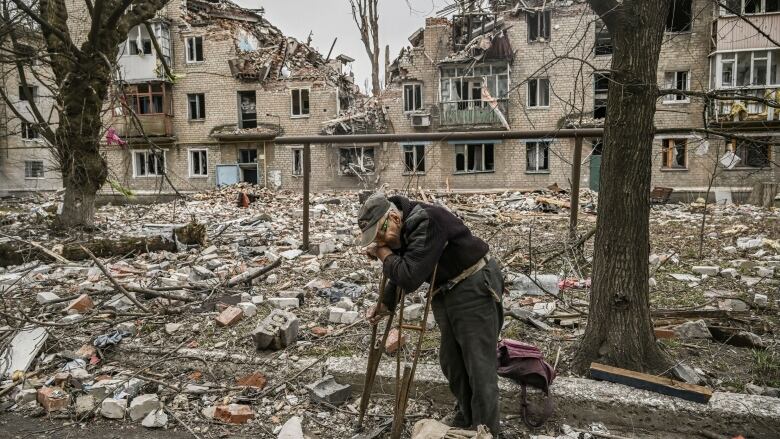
{"x":234,"y":413}
{"x":256,"y":380}
{"x":230,"y":316}
{"x":80,"y":305}
{"x":53,"y":399}
{"x":319,"y":331}
{"x":393,"y":343}
{"x":86,"y":352}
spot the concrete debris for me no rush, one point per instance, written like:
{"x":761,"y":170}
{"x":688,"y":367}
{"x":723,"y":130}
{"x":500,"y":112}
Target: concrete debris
{"x":277,"y":331}
{"x":155,"y":419}
{"x":53,"y":399}
{"x":142,"y":405}
{"x":284,"y":302}
{"x":532,"y":285}
{"x":709,"y":271}
{"x":685,"y":277}
{"x":23,"y":349}
{"x":697,"y":329}
{"x":414,"y":312}
{"x":328,"y":390}
{"x":85,"y":404}
{"x":113,"y":408}
{"x":733,"y":305}
{"x":292,"y":429}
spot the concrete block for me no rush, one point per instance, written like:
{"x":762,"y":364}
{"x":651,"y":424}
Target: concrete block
{"x":323,"y":248}
{"x":708,"y":270}
{"x":350,"y":317}
{"x":328,"y":390}
{"x":85,"y":404}
{"x":414,"y":312}
{"x":283,"y":302}
{"x":335,"y":314}
{"x":277,"y":331}
{"x":293,"y":294}
{"x":729,"y":273}
{"x":142,"y":405}
{"x":46,"y":297}
{"x":113,"y":408}
{"x":257,"y":300}
{"x":760,"y":300}
{"x":249,"y":309}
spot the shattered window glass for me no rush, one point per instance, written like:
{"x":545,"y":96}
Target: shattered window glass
{"x":600,"y":94}
{"x":680,"y":16}
{"x":539,"y":26}
{"x":412,"y":97}
{"x":675,"y":154}
{"x":754,"y":154}
{"x":414,"y":158}
{"x":356,"y":161}
{"x":199,"y":163}
{"x":537,"y":156}
{"x":248,"y":108}
{"x":474,"y":158}
{"x":297,"y":169}
{"x":149,"y":163}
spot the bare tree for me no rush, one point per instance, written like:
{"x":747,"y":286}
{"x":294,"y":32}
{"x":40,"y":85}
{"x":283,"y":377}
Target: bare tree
{"x":366,"y":16}
{"x":82,"y":77}
{"x":620,"y":331}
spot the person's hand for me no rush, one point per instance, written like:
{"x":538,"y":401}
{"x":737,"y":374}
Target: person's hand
{"x":370,"y":251}
{"x":376,"y":313}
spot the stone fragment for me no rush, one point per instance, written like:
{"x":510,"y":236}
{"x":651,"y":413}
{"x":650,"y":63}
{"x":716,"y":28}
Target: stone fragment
{"x":697,"y":329}
{"x":256,"y":380}
{"x":393,"y":342}
{"x":749,"y":243}
{"x":350,"y":317}
{"x":291,"y":254}
{"x":760,"y":300}
{"x":26,"y":395}
{"x":53,"y":399}
{"x":335,"y":314}
{"x":142,"y":405}
{"x":753,"y":389}
{"x":328,"y":390}
{"x":684,"y":277}
{"x":687,"y":374}
{"x":248,"y":308}
{"x":729,"y":273}
{"x":292,"y":429}
{"x":257,"y":300}
{"x":346,"y":304}
{"x":234,"y":413}
{"x":155,"y":419}
{"x":765,"y":271}
{"x":85,"y":404}
{"x":171,"y":328}
{"x":733,"y":305}
{"x":208,"y":412}
{"x":46,"y":297}
{"x":283,"y":302}
{"x":209,"y":250}
{"x":730,"y":249}
{"x":80,"y":305}
{"x":708,"y":270}
{"x":277,"y":331}
{"x":230,"y":316}
{"x":113,"y":408}
{"x":414,"y":312}
{"x":544,"y":309}
{"x":322,"y":248}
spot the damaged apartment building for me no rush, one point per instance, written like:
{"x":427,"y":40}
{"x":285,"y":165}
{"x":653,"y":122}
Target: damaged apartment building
{"x":501,"y":68}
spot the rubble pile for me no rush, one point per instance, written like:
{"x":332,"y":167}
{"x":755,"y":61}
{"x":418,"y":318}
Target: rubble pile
{"x":236,"y":331}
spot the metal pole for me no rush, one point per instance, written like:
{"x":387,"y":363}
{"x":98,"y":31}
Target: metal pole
{"x":575,"y":189}
{"x":306,"y":182}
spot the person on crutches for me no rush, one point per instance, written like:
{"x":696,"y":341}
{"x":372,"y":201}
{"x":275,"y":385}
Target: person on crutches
{"x":411,"y":238}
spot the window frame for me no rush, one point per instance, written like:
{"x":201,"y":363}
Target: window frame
{"x":239,"y":96}
{"x":191,"y":162}
{"x":300,"y":102}
{"x":734,"y":146}
{"x":33,"y":93}
{"x":190,"y":52}
{"x":28,"y":167}
{"x":201,"y":106}
{"x":465,"y":153}
{"x":538,"y":93}
{"x":669,"y":151}
{"x":608,"y":77}
{"x":27,"y":128}
{"x":417,"y":97}
{"x":543,"y":23}
{"x":741,"y":9}
{"x":537,"y":144}
{"x":689,"y":28}
{"x":601,"y":34}
{"x":361,"y":158}
{"x":414,"y":150}
{"x":672,"y":99}
{"x":297,"y":157}
{"x":133,"y":99}
{"x":146,"y":153}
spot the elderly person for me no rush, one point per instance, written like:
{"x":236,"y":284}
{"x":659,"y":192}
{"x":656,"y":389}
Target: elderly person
{"x":411,"y":238}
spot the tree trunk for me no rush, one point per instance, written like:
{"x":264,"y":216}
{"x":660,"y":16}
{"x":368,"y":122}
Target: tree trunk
{"x":619,"y":330}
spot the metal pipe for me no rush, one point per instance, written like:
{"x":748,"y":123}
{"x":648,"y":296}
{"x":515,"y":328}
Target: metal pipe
{"x":439,"y":136}
{"x":575,"y":189}
{"x":306,"y":188}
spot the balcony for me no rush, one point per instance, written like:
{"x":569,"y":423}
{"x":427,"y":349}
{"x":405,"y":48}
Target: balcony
{"x":152,"y":125}
{"x":741,"y":109}
{"x":735,"y":33}
{"x":138,"y":60}
{"x":472,"y":112}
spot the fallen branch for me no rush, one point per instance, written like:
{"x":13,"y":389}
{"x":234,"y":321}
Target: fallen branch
{"x":140,"y":290}
{"x":578,"y":243}
{"x":116,"y":284}
{"x":253,"y":273}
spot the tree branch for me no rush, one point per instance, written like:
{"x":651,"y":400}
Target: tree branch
{"x":157,"y":49}
{"x":750,"y":23}
{"x":45,"y":25}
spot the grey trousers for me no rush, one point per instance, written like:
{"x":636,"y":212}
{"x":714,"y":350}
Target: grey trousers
{"x":470,"y":320}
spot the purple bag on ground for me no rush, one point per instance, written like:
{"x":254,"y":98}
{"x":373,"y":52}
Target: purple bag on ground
{"x":524,"y":363}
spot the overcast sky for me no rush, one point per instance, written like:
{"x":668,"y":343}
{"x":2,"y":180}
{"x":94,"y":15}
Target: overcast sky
{"x":329,"y":19}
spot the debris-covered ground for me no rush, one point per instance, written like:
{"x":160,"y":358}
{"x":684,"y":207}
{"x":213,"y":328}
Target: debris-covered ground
{"x":230,"y":338}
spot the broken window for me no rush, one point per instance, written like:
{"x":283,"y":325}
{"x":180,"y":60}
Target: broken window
{"x":474,"y":158}
{"x":32,"y":91}
{"x":148,"y":163}
{"x":28,"y":131}
{"x":753,"y":154}
{"x":144,"y":49}
{"x":759,"y":75}
{"x":247,"y":155}
{"x":751,"y":6}
{"x":600,"y":94}
{"x":414,"y":158}
{"x":603,"y":39}
{"x":33,"y":169}
{"x":194,"y":49}
{"x":537,"y":156}
{"x":356,"y":161}
{"x":300,"y":102}
{"x":743,"y":68}
{"x":199,"y":163}
{"x":680,"y":16}
{"x":674,"y":154}
{"x":412,"y":97}
{"x":539,"y":92}
{"x":727,"y":66}
{"x":247,"y":105}
{"x":460,"y":84}
{"x":146,"y":99}
{"x":539,"y":26}
{"x":197,"y":104}
{"x":676,"y":81}
{"x":297,"y":163}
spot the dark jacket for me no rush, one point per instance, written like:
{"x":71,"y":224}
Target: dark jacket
{"x":430,"y":235}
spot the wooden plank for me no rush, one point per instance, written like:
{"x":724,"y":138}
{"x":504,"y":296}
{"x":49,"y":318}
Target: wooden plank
{"x":697,"y":313}
{"x":662,"y":385}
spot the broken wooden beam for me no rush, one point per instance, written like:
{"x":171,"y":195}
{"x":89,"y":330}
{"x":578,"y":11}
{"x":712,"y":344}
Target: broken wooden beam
{"x":697,"y":313}
{"x":662,"y":385}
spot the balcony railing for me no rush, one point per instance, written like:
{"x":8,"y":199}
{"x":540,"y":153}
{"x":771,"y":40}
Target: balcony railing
{"x":153,"y":125}
{"x":740,"y":109}
{"x":473,"y":112}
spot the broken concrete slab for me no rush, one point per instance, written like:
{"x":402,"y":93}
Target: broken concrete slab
{"x":155,"y":419}
{"x":113,"y":408}
{"x":706,"y":269}
{"x":588,"y":401}
{"x":85,"y":404}
{"x":142,"y":405}
{"x":23,"y":349}
{"x":283,"y":302}
{"x":522,"y":285}
{"x":414,"y":312}
{"x":328,"y":390}
{"x":46,"y":297}
{"x":683,"y":277}
{"x":292,"y":429}
{"x":277,"y":331}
